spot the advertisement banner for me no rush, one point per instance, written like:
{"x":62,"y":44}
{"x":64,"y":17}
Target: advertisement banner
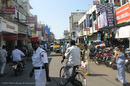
{"x":116,"y":2}
{"x":123,"y":13}
{"x":102,"y":20}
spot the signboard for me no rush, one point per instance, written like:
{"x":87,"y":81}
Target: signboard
{"x":95,"y":2}
{"x":38,"y":29}
{"x":10,"y":37}
{"x":116,"y":2}
{"x":96,"y":26}
{"x":86,"y":29}
{"x":31,"y":19}
{"x":123,"y":13}
{"x":110,"y":18}
{"x":8,"y":10}
{"x":104,"y":7}
{"x":22,"y":29}
{"x":8,"y":26}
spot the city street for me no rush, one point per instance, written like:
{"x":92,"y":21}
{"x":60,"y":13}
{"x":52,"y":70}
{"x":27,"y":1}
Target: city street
{"x":100,"y":74}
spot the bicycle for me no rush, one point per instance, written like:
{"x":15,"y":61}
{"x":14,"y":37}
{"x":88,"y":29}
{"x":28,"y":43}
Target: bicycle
{"x":76,"y":79}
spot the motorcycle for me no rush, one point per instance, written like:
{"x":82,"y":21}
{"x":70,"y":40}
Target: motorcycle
{"x":18,"y":67}
{"x":127,"y":65}
{"x":127,"y":61}
{"x":102,"y":56}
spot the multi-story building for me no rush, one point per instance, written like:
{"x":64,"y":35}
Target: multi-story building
{"x":13,"y":22}
{"x":100,"y":22}
{"x":73,"y":21}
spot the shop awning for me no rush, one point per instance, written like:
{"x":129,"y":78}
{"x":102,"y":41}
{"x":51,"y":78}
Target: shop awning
{"x":123,"y":32}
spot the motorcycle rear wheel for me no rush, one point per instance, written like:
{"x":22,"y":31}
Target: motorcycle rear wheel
{"x":128,"y":68}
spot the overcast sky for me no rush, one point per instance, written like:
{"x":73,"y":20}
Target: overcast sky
{"x":55,"y":13}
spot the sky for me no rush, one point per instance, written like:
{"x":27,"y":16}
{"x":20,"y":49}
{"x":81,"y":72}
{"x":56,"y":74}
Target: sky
{"x":55,"y":13}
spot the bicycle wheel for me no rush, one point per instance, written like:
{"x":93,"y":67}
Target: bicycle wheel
{"x":81,"y":79}
{"x":62,"y":76}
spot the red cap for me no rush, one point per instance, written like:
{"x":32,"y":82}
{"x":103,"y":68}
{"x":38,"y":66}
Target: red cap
{"x":36,"y":39}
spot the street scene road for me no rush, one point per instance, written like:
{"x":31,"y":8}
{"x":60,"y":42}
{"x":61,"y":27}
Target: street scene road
{"x":100,"y":74}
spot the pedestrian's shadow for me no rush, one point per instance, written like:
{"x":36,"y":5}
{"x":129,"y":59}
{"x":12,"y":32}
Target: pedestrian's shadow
{"x":98,"y":75}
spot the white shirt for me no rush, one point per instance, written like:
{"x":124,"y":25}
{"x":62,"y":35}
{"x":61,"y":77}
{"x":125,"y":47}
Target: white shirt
{"x":73,"y":53}
{"x":39,"y":57}
{"x":68,"y":45}
{"x":16,"y":53}
{"x":3,"y":55}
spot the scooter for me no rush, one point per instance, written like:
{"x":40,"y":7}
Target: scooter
{"x":18,"y":67}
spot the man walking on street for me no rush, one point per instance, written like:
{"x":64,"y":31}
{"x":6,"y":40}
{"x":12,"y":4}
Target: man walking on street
{"x":3,"y":55}
{"x":40,"y":64}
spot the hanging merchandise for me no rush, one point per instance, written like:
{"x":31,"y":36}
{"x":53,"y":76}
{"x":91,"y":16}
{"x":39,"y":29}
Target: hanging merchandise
{"x":106,"y":35}
{"x":108,"y":32}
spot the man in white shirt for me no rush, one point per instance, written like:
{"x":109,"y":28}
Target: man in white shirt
{"x":16,"y":54}
{"x":67,"y":45}
{"x":73,"y":55}
{"x":3,"y":55}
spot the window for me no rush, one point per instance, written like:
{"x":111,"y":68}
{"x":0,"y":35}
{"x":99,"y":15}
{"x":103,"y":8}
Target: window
{"x":124,"y":1}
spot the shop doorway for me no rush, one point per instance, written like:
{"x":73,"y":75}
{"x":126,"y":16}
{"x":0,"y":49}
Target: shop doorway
{"x":9,"y":47}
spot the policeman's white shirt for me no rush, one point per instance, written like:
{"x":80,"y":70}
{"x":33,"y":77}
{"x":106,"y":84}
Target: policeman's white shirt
{"x":3,"y":55}
{"x":16,"y":54}
{"x":73,"y":53}
{"x":39,"y":57}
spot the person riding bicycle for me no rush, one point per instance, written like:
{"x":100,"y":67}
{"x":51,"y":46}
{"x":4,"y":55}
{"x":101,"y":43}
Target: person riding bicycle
{"x":73,"y":55}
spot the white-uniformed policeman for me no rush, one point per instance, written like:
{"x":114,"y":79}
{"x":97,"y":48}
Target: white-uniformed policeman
{"x":73,"y":54}
{"x":40,"y":64}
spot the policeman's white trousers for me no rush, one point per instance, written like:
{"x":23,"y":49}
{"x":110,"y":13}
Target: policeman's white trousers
{"x":3,"y":68}
{"x":40,"y":77}
{"x":121,"y":73}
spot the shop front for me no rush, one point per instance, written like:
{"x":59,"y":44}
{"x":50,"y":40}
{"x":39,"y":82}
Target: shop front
{"x":22,"y":35}
{"x":9,"y":31}
{"x":123,"y":34}
{"x":122,"y":20}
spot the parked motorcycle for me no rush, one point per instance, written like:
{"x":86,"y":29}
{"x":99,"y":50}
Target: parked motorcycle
{"x":18,"y":67}
{"x":127,"y":65}
{"x":103,"y":56}
{"x":127,"y":61}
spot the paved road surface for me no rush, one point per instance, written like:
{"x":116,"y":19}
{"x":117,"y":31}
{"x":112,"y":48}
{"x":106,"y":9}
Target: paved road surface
{"x":100,"y":75}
